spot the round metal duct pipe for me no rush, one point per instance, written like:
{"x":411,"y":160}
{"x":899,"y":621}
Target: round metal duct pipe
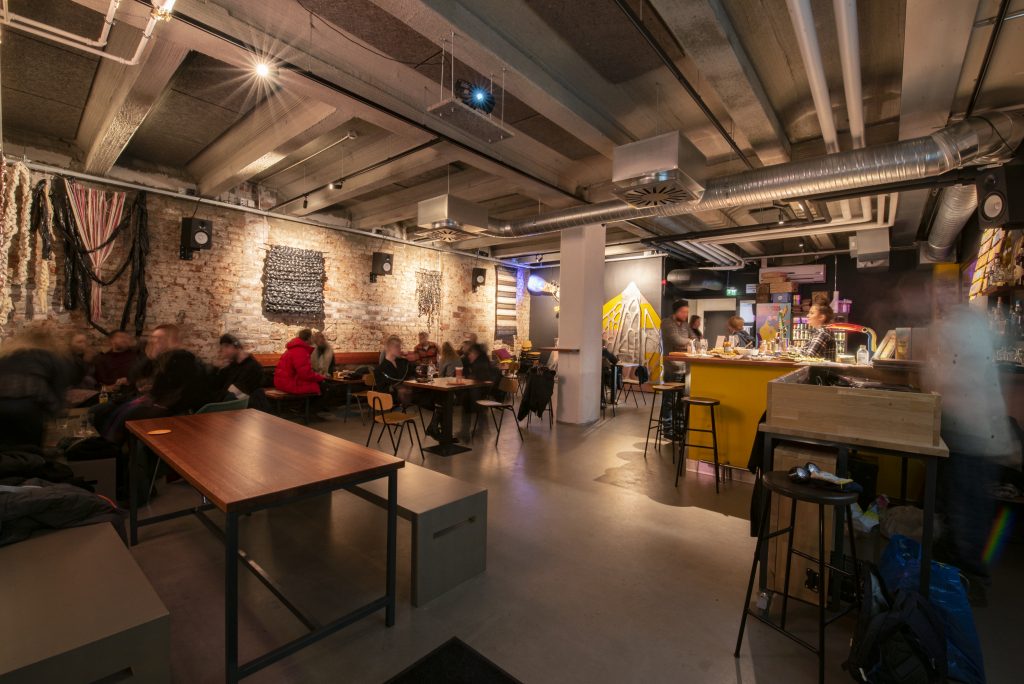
{"x":956,"y":206}
{"x":981,"y":139}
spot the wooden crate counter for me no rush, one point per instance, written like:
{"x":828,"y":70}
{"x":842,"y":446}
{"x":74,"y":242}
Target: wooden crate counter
{"x":742,"y":387}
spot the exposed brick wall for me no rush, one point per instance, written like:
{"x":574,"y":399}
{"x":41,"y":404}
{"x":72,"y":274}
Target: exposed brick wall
{"x":221,"y":289}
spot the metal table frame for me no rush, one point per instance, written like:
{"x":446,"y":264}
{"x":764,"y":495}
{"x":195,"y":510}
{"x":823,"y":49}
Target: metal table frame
{"x":317,"y":631}
{"x":844,"y":450}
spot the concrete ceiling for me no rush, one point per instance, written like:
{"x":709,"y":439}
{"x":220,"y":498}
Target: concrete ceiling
{"x":579,"y":80}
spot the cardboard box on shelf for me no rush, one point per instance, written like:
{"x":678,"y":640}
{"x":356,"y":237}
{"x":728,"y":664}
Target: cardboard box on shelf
{"x":772,"y":277}
{"x":781,"y":287}
{"x":762,"y":298}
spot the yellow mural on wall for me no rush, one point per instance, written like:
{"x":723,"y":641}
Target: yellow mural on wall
{"x":632,"y":328}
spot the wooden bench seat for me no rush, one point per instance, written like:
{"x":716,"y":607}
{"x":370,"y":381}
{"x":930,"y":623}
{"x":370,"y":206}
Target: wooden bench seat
{"x":77,"y":608}
{"x":279,"y":397}
{"x":449,"y":527}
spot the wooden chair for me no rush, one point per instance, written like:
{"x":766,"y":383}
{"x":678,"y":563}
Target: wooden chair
{"x":509,"y":387}
{"x":369,"y":380}
{"x":634,"y":386}
{"x":382,"y":413}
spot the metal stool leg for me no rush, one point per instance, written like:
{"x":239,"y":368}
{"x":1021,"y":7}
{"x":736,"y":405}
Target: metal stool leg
{"x":761,"y":529}
{"x":853,"y":555}
{"x":789,"y":564}
{"x":821,"y":594}
{"x":681,"y":432}
{"x":649,"y":421}
{"x":714,"y":445}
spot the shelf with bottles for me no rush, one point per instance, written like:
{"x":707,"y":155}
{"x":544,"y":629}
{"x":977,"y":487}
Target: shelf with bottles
{"x":1005,"y":320}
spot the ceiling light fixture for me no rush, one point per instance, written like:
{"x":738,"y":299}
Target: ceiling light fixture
{"x":262,"y":69}
{"x":782,"y":219}
{"x":335,"y":185}
{"x":163,"y":8}
{"x":305,"y":201}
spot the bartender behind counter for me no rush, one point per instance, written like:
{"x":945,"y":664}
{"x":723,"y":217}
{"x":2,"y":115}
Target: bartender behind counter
{"x":822,"y":343}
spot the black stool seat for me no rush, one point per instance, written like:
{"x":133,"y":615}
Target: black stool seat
{"x":780,"y":483}
{"x":700,"y":401}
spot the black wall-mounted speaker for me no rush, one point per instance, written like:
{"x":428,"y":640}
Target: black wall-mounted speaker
{"x":196,"y":234}
{"x":479,"y":278}
{"x":382,"y":264}
{"x":1001,"y":196}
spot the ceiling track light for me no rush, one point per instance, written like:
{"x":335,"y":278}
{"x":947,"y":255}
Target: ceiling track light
{"x":336,"y":185}
{"x":305,"y":201}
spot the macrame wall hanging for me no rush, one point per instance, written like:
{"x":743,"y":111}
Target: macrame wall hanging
{"x":42,"y":226}
{"x":15,"y":223}
{"x":293,"y":281}
{"x":428,"y":295}
{"x":88,"y":244}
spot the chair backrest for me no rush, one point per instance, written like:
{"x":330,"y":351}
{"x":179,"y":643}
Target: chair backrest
{"x":642,"y":374}
{"x":509,"y":385}
{"x":233,"y":405}
{"x":380,"y":401}
{"x":369,"y":380}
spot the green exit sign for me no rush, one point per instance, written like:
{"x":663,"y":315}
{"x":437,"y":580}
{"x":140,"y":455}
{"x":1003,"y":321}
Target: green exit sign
{"x":731,"y":291}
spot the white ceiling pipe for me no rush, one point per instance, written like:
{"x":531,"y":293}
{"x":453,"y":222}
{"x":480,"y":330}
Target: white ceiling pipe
{"x":13,"y":19}
{"x":147,"y":33}
{"x":849,"y":56}
{"x":807,"y":40}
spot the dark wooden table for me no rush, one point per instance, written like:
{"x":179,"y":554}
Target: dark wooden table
{"x":348,"y":383}
{"x":244,"y":461}
{"x":448,"y":387}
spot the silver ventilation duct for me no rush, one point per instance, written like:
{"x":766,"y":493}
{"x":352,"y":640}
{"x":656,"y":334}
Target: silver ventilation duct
{"x":976,"y":140}
{"x":956,"y":206}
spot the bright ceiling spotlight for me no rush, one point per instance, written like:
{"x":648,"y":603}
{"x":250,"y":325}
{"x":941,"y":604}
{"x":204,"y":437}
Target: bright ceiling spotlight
{"x":335,"y":185}
{"x":262,"y":69}
{"x":477,"y":97}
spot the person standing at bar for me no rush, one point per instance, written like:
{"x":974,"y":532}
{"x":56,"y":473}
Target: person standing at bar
{"x":822,"y":343}
{"x":676,"y":336}
{"x":695,"y":332}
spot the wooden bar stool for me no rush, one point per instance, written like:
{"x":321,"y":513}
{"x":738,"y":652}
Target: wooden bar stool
{"x":780,"y":483}
{"x":654,"y":422}
{"x":681,"y":428}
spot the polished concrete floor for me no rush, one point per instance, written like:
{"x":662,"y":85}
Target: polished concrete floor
{"x":599,"y":570}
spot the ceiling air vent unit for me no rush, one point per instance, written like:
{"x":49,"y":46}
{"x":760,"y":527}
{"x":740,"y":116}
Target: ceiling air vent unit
{"x":665,"y":169}
{"x":449,"y":219}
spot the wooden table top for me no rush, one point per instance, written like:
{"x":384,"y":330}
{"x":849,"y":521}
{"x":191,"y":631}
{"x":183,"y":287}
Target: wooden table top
{"x":354,"y":380}
{"x":448,"y":384}
{"x":938,"y":451}
{"x":737,"y":361}
{"x":557,"y":349}
{"x":242,"y":460}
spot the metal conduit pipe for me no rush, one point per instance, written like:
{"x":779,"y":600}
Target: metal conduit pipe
{"x":956,"y":206}
{"x":980,"y":139}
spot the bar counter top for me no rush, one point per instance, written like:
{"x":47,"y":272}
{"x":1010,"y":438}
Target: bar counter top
{"x":738,"y":361}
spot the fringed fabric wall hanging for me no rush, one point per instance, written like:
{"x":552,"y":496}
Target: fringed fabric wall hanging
{"x":79,"y":272}
{"x":505,"y":315}
{"x":97,"y":215}
{"x":16,"y":214}
{"x":293,"y":281}
{"x":428,"y":295}
{"x":42,"y":226}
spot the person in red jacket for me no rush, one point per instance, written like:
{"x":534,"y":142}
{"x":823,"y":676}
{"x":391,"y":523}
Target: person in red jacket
{"x":293,"y":373}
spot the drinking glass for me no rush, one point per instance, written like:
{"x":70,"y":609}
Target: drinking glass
{"x":703,"y":345}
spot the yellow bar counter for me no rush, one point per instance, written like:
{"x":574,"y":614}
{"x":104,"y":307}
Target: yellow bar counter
{"x":742,"y":388}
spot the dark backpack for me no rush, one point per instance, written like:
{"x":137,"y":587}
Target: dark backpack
{"x":897,"y":641}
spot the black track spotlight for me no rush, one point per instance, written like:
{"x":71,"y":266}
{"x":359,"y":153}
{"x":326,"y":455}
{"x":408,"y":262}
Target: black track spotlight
{"x":305,"y":201}
{"x":475,"y":96}
{"x":335,"y":185}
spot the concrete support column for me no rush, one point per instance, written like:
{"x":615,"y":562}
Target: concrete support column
{"x":581,"y":296}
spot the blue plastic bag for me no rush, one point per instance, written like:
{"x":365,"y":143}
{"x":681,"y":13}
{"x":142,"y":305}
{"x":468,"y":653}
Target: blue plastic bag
{"x":900,"y":568}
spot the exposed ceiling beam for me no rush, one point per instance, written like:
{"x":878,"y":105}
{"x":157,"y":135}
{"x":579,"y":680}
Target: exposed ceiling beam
{"x":122,"y":97}
{"x":249,"y":146}
{"x":934,"y":49}
{"x":402,"y":205}
{"x":485,"y":41}
{"x":403,"y":168}
{"x":705,"y":31}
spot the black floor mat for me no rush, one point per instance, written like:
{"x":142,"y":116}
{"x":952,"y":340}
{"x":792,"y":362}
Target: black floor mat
{"x":453,"y":662}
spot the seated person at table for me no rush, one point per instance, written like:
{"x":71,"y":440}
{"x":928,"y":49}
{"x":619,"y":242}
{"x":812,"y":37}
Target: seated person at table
{"x":426,"y":351}
{"x":34,"y":375}
{"x":822,"y":343}
{"x":293,"y":373}
{"x":467,"y":343}
{"x":393,"y":370}
{"x":113,"y":367}
{"x":736,"y":327}
{"x":82,"y":357}
{"x":477,"y":365}
{"x":448,"y":361}
{"x":240,"y":373}
{"x":322,"y":358}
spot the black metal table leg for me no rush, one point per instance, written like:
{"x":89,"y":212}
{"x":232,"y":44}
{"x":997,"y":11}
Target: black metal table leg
{"x":133,"y":495}
{"x":767,"y":463}
{"x":447,"y":444}
{"x":838,"y":513}
{"x":231,"y":598}
{"x":930,"y":476}
{"x":389,"y":610}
